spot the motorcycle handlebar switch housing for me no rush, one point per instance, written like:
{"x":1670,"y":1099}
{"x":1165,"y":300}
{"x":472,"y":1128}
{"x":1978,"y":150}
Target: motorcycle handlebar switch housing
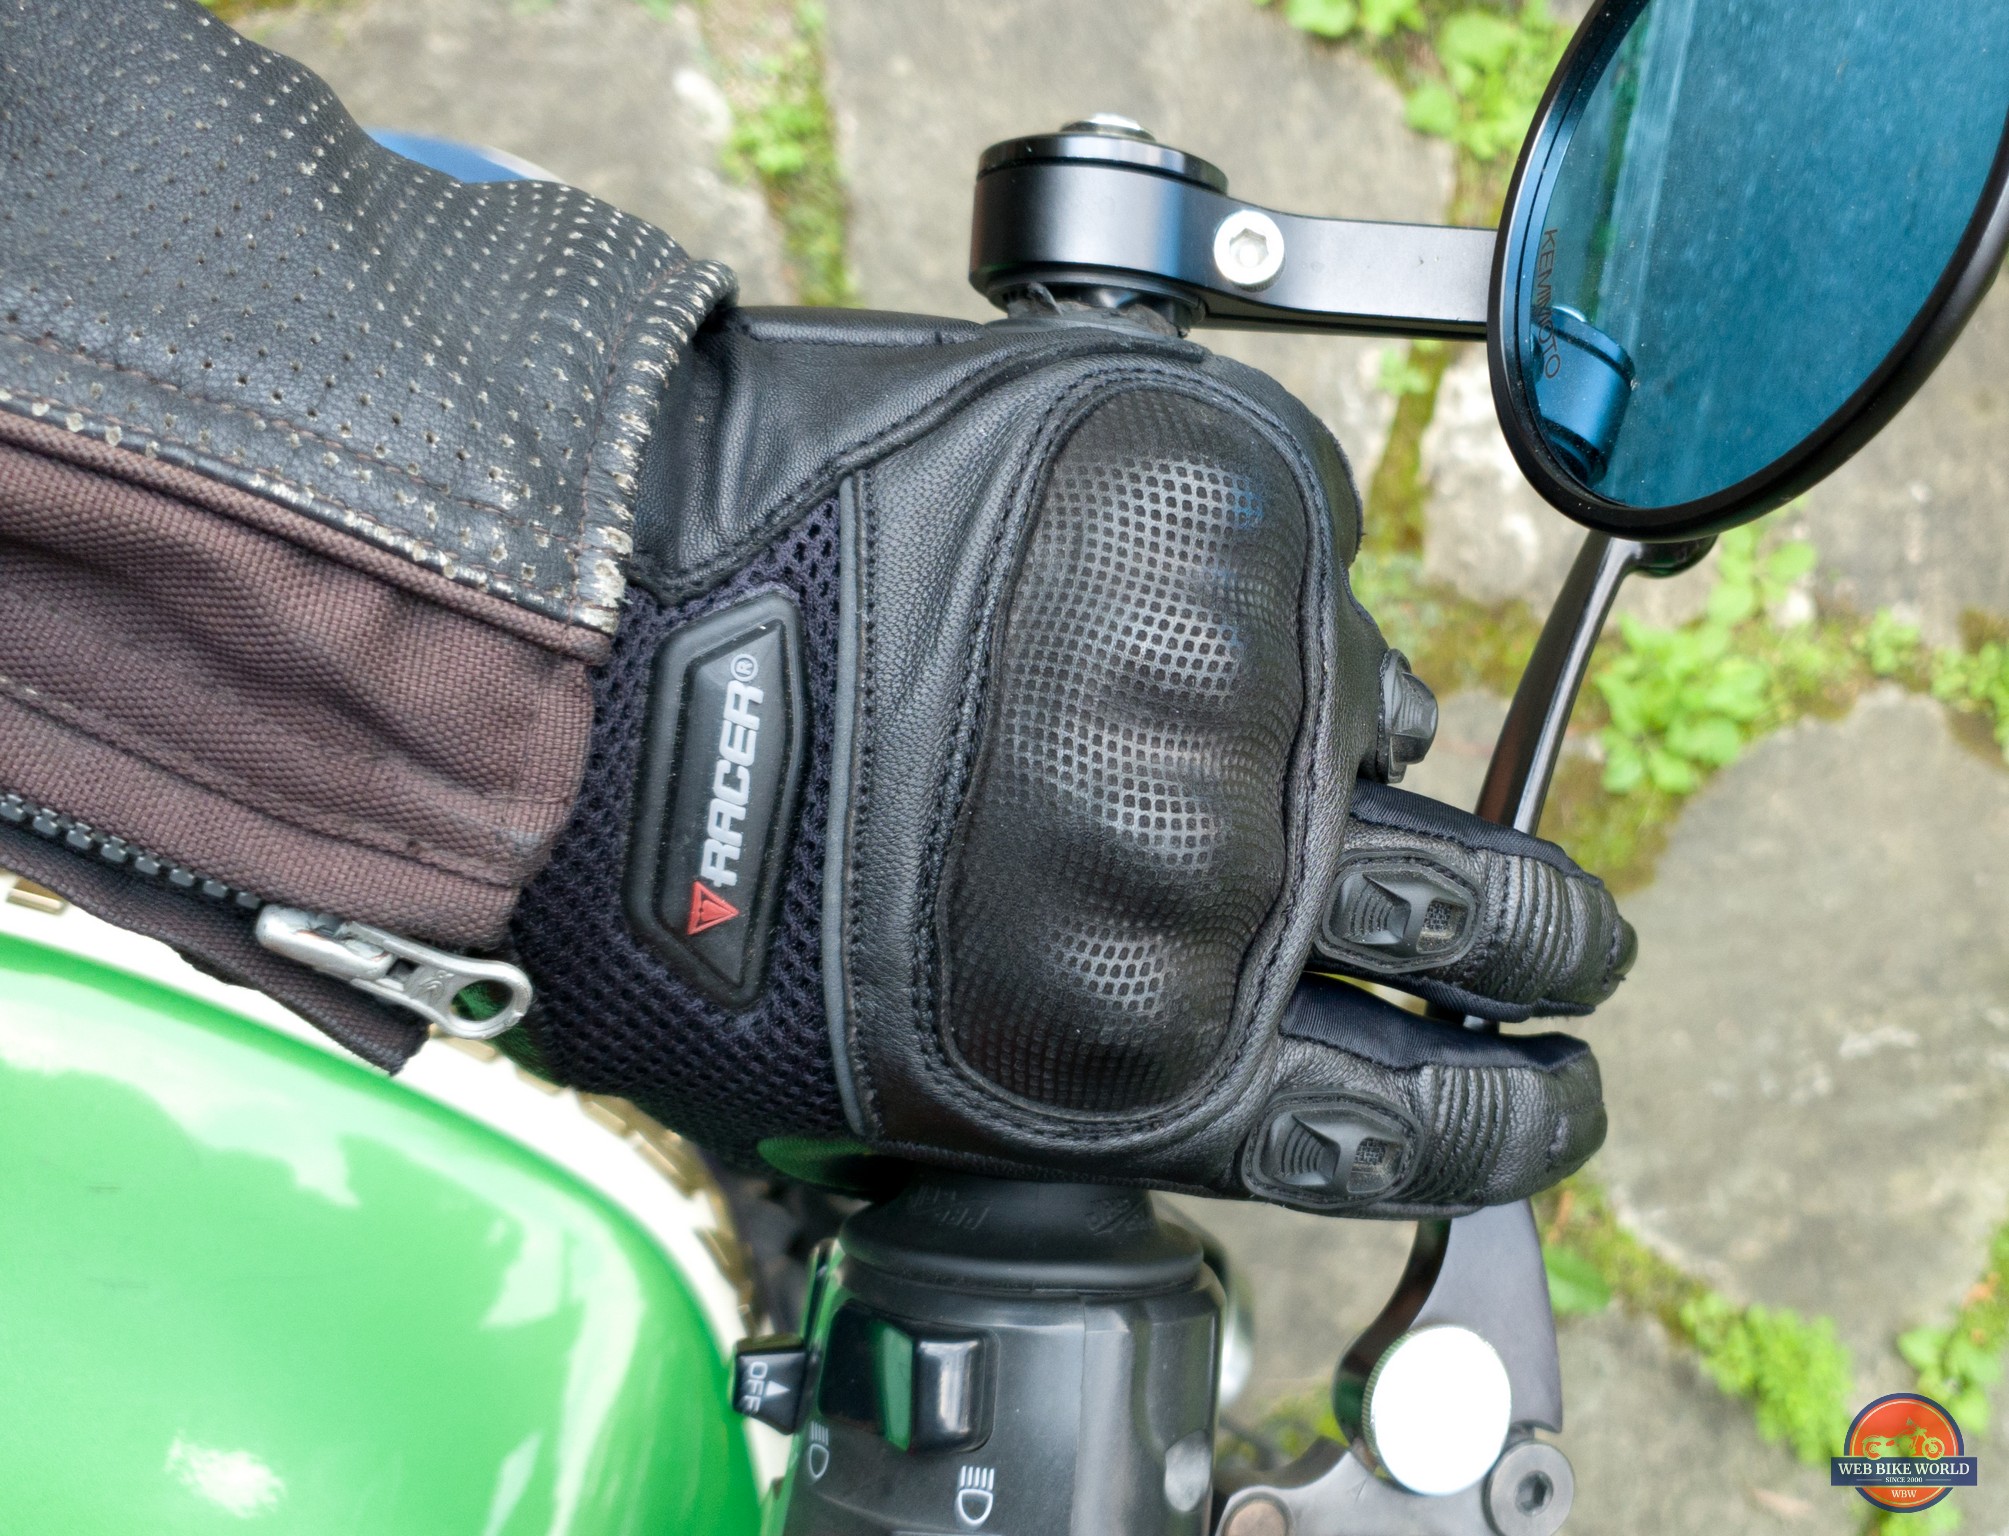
{"x":987,"y":1355}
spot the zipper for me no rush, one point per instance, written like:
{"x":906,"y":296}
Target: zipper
{"x":456,"y":994}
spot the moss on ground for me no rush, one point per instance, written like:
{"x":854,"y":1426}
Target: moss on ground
{"x":1398,"y":493}
{"x":1793,"y":1371}
{"x":238,"y":11}
{"x":784,"y":138}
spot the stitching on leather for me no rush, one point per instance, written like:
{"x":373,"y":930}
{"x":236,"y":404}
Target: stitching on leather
{"x":741,"y":324}
{"x":1318,"y":719}
{"x":391,"y":535}
{"x":954,"y":787}
{"x":814,"y":483}
{"x":861,"y":781}
{"x":982,"y":1100}
{"x":954,"y":784}
{"x":296,"y":528}
{"x":616,"y":349}
{"x":279,"y":424}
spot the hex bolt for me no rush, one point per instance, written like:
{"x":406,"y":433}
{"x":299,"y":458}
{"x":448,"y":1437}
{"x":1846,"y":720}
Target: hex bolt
{"x":1249,"y":248}
{"x":1529,"y":1490}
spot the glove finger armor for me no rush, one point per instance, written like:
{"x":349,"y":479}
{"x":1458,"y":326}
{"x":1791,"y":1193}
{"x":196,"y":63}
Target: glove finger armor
{"x":1469,"y":915}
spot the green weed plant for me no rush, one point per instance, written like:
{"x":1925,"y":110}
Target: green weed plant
{"x":785,"y":138}
{"x":1495,"y":68}
{"x":1957,"y":1364}
{"x":1479,"y":75}
{"x":1685,"y":701}
{"x":1976,"y":682}
{"x":1794,"y":1372}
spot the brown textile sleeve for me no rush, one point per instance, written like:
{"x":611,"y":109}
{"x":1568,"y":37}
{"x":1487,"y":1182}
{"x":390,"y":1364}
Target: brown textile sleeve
{"x":268,"y":701}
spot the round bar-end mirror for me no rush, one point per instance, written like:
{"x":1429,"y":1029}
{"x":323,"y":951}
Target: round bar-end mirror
{"x":1739,"y":237}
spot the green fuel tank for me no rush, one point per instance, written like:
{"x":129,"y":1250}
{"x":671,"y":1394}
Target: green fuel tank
{"x":246,"y":1284}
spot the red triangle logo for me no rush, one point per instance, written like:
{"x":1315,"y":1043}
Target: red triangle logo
{"x":708,"y":909}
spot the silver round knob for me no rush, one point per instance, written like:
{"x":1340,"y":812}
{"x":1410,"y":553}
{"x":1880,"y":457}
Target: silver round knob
{"x":1258,"y":1517}
{"x":1249,"y":248}
{"x":1436,"y":1409}
{"x":1109,"y":122}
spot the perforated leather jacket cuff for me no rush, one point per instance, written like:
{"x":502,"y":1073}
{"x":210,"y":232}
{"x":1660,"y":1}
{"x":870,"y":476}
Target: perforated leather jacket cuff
{"x":317,"y":476}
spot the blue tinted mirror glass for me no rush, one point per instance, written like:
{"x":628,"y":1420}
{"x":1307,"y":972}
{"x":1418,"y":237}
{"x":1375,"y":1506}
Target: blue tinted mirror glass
{"x":1739,"y":220}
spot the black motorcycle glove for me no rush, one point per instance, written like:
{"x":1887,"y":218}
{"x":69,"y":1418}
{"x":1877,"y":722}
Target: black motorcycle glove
{"x":971,"y":772}
{"x":976,"y":772}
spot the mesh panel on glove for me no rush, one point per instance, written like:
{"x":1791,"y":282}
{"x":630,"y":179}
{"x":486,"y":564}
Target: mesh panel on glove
{"x":1124,"y":834}
{"x":611,"y":1017}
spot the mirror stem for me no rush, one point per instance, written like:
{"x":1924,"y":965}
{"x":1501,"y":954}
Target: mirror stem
{"x":1531,"y":741}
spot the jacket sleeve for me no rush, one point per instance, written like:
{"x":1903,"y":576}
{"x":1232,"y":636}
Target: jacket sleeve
{"x":316,"y":485}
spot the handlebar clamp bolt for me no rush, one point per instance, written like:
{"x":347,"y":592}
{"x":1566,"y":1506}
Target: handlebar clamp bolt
{"x":1249,"y":248}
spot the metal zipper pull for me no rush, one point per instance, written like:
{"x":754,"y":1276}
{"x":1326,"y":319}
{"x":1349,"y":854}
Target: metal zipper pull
{"x":402,"y":971}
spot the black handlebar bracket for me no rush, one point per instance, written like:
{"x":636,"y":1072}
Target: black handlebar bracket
{"x":1094,"y":208}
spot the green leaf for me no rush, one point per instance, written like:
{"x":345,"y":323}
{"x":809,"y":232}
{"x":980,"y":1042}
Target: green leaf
{"x":1739,"y":689}
{"x":1969,"y":1408}
{"x":1480,"y":40}
{"x":1732,"y":602}
{"x":1432,"y":109}
{"x":1942,"y":1519}
{"x":1378,"y":18}
{"x":1736,"y":549}
{"x":1624,"y":766}
{"x":1789,"y":562}
{"x":1670,"y":775}
{"x":1889,"y":644}
{"x":1576,"y":1289}
{"x":1399,"y":374}
{"x":1322,"y":18}
{"x":1713,"y":740}
{"x":1921,"y":1347}
{"x":1969,"y":1361}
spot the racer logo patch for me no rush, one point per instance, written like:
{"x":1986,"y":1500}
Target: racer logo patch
{"x":715,"y":795}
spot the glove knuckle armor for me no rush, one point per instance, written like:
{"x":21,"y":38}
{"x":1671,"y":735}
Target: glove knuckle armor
{"x":1123,"y":837}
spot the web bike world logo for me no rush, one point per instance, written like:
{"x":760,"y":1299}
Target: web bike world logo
{"x":1904,"y":1453}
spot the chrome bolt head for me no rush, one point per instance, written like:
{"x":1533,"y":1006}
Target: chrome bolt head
{"x":1249,"y":249}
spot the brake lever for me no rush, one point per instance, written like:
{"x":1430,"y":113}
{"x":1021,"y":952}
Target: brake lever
{"x":1482,"y":1273}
